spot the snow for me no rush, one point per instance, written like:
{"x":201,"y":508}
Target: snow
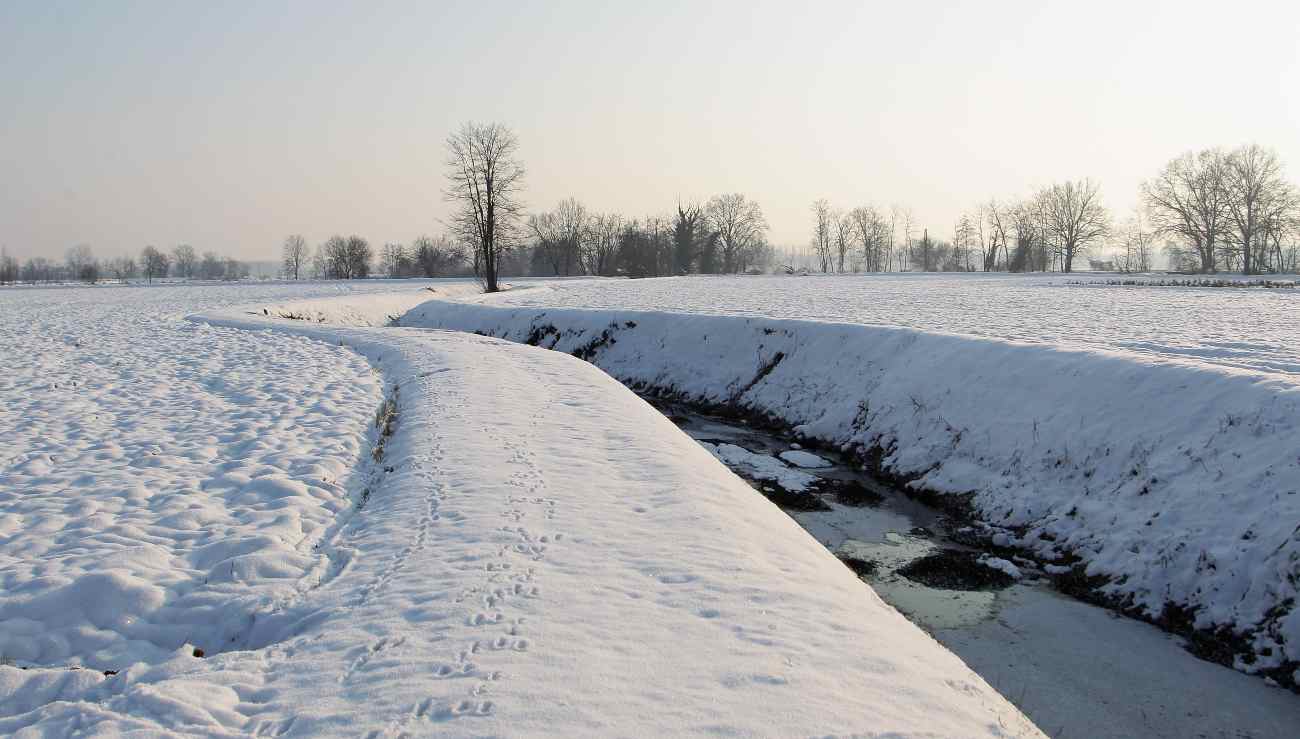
{"x":762,"y":467}
{"x":1004,"y":566}
{"x":533,"y":550}
{"x":1252,"y":329}
{"x":161,"y":480}
{"x":1173,"y":474}
{"x":807,"y":460}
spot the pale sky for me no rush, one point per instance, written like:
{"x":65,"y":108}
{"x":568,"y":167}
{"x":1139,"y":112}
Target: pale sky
{"x":231,"y":125}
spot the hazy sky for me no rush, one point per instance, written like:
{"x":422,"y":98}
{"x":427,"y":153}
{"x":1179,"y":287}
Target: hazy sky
{"x":230,"y":125}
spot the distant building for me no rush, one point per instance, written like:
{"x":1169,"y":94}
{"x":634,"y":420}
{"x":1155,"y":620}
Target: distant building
{"x":1097,"y":265}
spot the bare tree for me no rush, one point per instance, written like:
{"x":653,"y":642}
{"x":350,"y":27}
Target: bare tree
{"x":600,"y":243}
{"x":993,"y":226}
{"x":1139,"y":244}
{"x":646,"y":247}
{"x":903,"y":216}
{"x":1280,"y":231}
{"x":485,"y":180}
{"x":823,"y":232}
{"x":740,"y":226}
{"x":293,"y":255}
{"x":8,"y":268}
{"x":153,"y":263}
{"x":1026,"y":222}
{"x":81,"y":263}
{"x":184,"y":260}
{"x":1189,"y":200}
{"x":211,"y":266}
{"x":963,"y":242}
{"x":872,"y":234}
{"x":122,"y":268}
{"x":844,"y":239}
{"x":924,"y":253}
{"x":394,"y":261}
{"x":1075,"y":219}
{"x":688,"y":228}
{"x":1257,"y":194}
{"x":559,"y":235}
{"x":347,"y":258}
{"x":434,"y":257}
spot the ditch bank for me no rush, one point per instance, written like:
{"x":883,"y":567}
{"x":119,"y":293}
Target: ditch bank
{"x":1169,"y":491}
{"x":1058,"y":659}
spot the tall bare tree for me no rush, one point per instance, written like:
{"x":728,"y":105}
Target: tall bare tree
{"x":964,"y":240}
{"x":1188,"y":200}
{"x":1257,"y":195}
{"x":903,"y":216}
{"x":1139,"y":244}
{"x":1281,"y":230}
{"x":688,"y":228}
{"x":1075,"y":219}
{"x":484,"y":183}
{"x":559,"y":235}
{"x":394,"y":260}
{"x":872,"y":232}
{"x":153,"y":263}
{"x":740,"y":226}
{"x":184,"y":260}
{"x":823,"y":238}
{"x":293,"y":255}
{"x":993,"y":227}
{"x":78,"y":258}
{"x":600,"y":243}
{"x":844,"y":239}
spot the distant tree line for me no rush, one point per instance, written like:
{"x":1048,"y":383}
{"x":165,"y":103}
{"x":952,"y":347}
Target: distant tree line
{"x":1214,"y":210}
{"x":80,"y":265}
{"x":352,"y":257}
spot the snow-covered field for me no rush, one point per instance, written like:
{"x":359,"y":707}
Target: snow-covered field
{"x":1253,"y":329}
{"x":1141,"y":435}
{"x":161,"y":480}
{"x":533,"y":550}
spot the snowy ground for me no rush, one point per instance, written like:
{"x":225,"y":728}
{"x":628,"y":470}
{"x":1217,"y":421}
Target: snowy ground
{"x":534,"y":551}
{"x":1120,"y":443}
{"x":1252,"y":329}
{"x":161,"y":480}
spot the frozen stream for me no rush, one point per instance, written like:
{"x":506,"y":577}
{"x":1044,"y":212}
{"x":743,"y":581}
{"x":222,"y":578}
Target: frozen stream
{"x":1076,"y":669}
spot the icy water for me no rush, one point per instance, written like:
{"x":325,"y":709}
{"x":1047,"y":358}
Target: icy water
{"x":1076,"y":669}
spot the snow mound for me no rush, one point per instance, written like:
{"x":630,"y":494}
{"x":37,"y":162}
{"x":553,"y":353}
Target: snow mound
{"x":1177,"y":482}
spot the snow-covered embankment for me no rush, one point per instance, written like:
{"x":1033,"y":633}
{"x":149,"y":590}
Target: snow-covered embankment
{"x":537,"y":551}
{"x":1170,"y":488}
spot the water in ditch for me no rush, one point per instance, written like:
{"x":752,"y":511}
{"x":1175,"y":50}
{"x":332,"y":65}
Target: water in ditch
{"x":1076,"y":669}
